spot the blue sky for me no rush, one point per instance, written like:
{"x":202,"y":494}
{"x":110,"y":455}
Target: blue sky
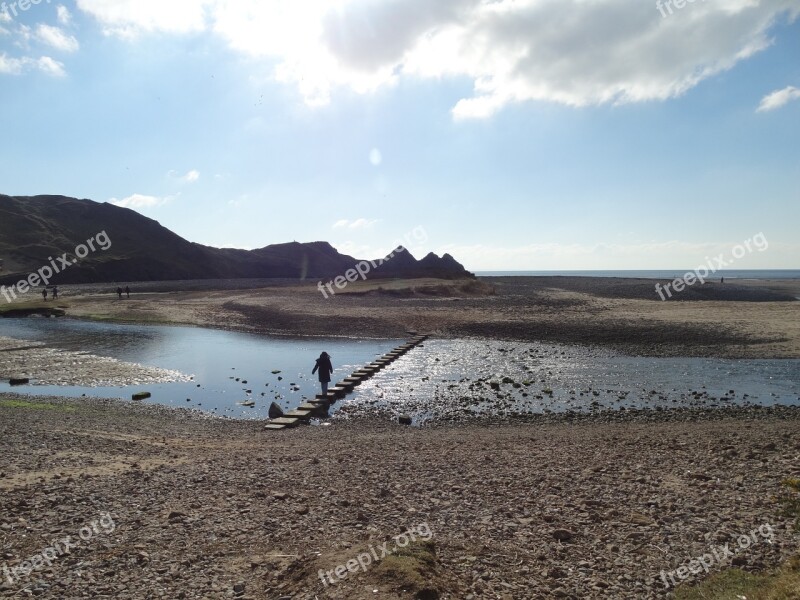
{"x":519,"y":134}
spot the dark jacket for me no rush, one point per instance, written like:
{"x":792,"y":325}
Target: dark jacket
{"x":324,"y":367}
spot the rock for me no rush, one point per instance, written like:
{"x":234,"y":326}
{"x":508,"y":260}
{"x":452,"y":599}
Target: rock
{"x":302,"y":510}
{"x":563,"y":535}
{"x":640,"y":519}
{"x":19,"y":380}
{"x":275,"y":411}
{"x":404,"y":420}
{"x":141,"y":396}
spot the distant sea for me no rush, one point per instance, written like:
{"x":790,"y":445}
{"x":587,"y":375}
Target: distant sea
{"x":727,"y":274}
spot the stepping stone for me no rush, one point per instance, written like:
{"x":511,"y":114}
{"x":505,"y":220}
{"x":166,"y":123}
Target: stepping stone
{"x":377,"y":365}
{"x":274,"y":427}
{"x":353,"y":380}
{"x":313,"y":406}
{"x":344,"y":385}
{"x":339,"y":391}
{"x":288,"y":422}
{"x":298,"y":414}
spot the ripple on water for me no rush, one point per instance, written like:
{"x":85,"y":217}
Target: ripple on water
{"x":454,"y":378}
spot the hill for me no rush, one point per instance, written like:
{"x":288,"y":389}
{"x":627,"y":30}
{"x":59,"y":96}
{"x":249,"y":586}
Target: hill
{"x":36,"y":230}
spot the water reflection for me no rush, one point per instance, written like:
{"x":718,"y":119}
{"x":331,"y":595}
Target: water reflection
{"x":442,"y":378}
{"x":228,"y":368}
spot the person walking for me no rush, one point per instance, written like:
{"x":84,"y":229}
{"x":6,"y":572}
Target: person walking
{"x":55,"y":292}
{"x":119,"y":292}
{"x":325,"y":369}
{"x":44,"y":294}
{"x":128,"y":291}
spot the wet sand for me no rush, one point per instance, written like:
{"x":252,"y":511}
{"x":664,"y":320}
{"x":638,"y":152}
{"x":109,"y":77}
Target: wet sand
{"x":49,"y":366}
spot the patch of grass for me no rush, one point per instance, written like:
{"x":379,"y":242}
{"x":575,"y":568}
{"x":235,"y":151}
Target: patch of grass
{"x":791,"y":500}
{"x":735,"y":584}
{"x":412,"y":568}
{"x":35,"y":405}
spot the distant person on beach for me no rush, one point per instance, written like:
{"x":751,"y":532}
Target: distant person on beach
{"x":128,"y":291}
{"x":44,"y":294}
{"x":55,"y":292}
{"x":722,"y":280}
{"x":325,"y":369}
{"x":119,"y":292}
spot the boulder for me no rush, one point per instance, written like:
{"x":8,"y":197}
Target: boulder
{"x":275,"y":411}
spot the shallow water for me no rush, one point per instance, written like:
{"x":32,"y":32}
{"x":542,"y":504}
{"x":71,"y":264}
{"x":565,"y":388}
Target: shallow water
{"x":219,"y":361}
{"x":442,"y":378}
{"x":448,"y":378}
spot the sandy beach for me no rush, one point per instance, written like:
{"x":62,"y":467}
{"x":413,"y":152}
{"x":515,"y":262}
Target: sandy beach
{"x":747,"y":319}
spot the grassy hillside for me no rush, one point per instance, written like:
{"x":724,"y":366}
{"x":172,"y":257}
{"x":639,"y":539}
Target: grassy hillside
{"x":35,"y":229}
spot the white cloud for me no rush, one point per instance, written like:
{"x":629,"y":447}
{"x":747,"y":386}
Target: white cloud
{"x":56,"y":38}
{"x":572,"y":52}
{"x":5,"y":17}
{"x":17,"y":66}
{"x":356,"y":224}
{"x":51,"y":67}
{"x":190,"y":177}
{"x":138,"y":201}
{"x":779,"y":99}
{"x":10,"y":65}
{"x":130,"y":18}
{"x":64,"y":16}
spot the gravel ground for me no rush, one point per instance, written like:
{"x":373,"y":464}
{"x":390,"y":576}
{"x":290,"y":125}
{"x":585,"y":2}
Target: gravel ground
{"x":168,"y":504}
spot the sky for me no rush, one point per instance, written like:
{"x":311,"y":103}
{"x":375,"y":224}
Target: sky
{"x":513,"y":134}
